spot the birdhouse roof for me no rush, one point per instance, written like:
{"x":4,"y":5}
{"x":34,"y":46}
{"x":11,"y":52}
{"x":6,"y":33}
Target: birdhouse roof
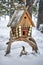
{"x":17,"y":16}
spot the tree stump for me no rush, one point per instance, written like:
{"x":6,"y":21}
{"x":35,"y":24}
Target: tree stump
{"x":29,"y":40}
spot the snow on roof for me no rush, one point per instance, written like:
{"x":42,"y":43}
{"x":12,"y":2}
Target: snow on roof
{"x":15,"y":18}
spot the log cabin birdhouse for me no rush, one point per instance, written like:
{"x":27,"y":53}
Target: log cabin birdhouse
{"x":21,"y":24}
{"x":21,"y":29}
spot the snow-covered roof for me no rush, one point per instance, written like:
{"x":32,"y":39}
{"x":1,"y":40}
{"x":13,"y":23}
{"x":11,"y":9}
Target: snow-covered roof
{"x":15,"y":18}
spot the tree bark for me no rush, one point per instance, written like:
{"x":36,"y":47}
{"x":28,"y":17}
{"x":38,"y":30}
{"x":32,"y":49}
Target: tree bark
{"x":40,"y":14}
{"x":29,"y":3}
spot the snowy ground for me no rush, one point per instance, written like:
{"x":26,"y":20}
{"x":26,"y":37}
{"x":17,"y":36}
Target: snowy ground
{"x":13,"y":58}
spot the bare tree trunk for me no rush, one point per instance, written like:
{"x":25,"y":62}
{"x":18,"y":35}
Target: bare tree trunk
{"x":40,"y":14}
{"x":29,"y":3}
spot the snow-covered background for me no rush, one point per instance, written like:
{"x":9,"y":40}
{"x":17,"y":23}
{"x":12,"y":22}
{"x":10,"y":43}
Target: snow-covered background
{"x":13,"y":58}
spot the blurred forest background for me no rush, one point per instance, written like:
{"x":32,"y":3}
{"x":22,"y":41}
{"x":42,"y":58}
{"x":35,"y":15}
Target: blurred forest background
{"x":7,"y":7}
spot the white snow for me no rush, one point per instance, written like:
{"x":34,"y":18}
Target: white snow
{"x":13,"y":58}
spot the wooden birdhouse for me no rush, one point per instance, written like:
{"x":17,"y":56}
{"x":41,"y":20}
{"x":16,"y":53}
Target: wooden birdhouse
{"x":21,"y":29}
{"x":21,"y":24}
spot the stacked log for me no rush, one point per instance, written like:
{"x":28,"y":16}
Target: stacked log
{"x":19,"y":31}
{"x":30,"y":31}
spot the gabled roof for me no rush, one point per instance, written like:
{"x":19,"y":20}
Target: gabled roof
{"x":18,"y":14}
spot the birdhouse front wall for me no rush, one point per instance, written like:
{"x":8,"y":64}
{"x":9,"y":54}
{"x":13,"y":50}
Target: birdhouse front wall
{"x":25,"y":24}
{"x":25,"y":21}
